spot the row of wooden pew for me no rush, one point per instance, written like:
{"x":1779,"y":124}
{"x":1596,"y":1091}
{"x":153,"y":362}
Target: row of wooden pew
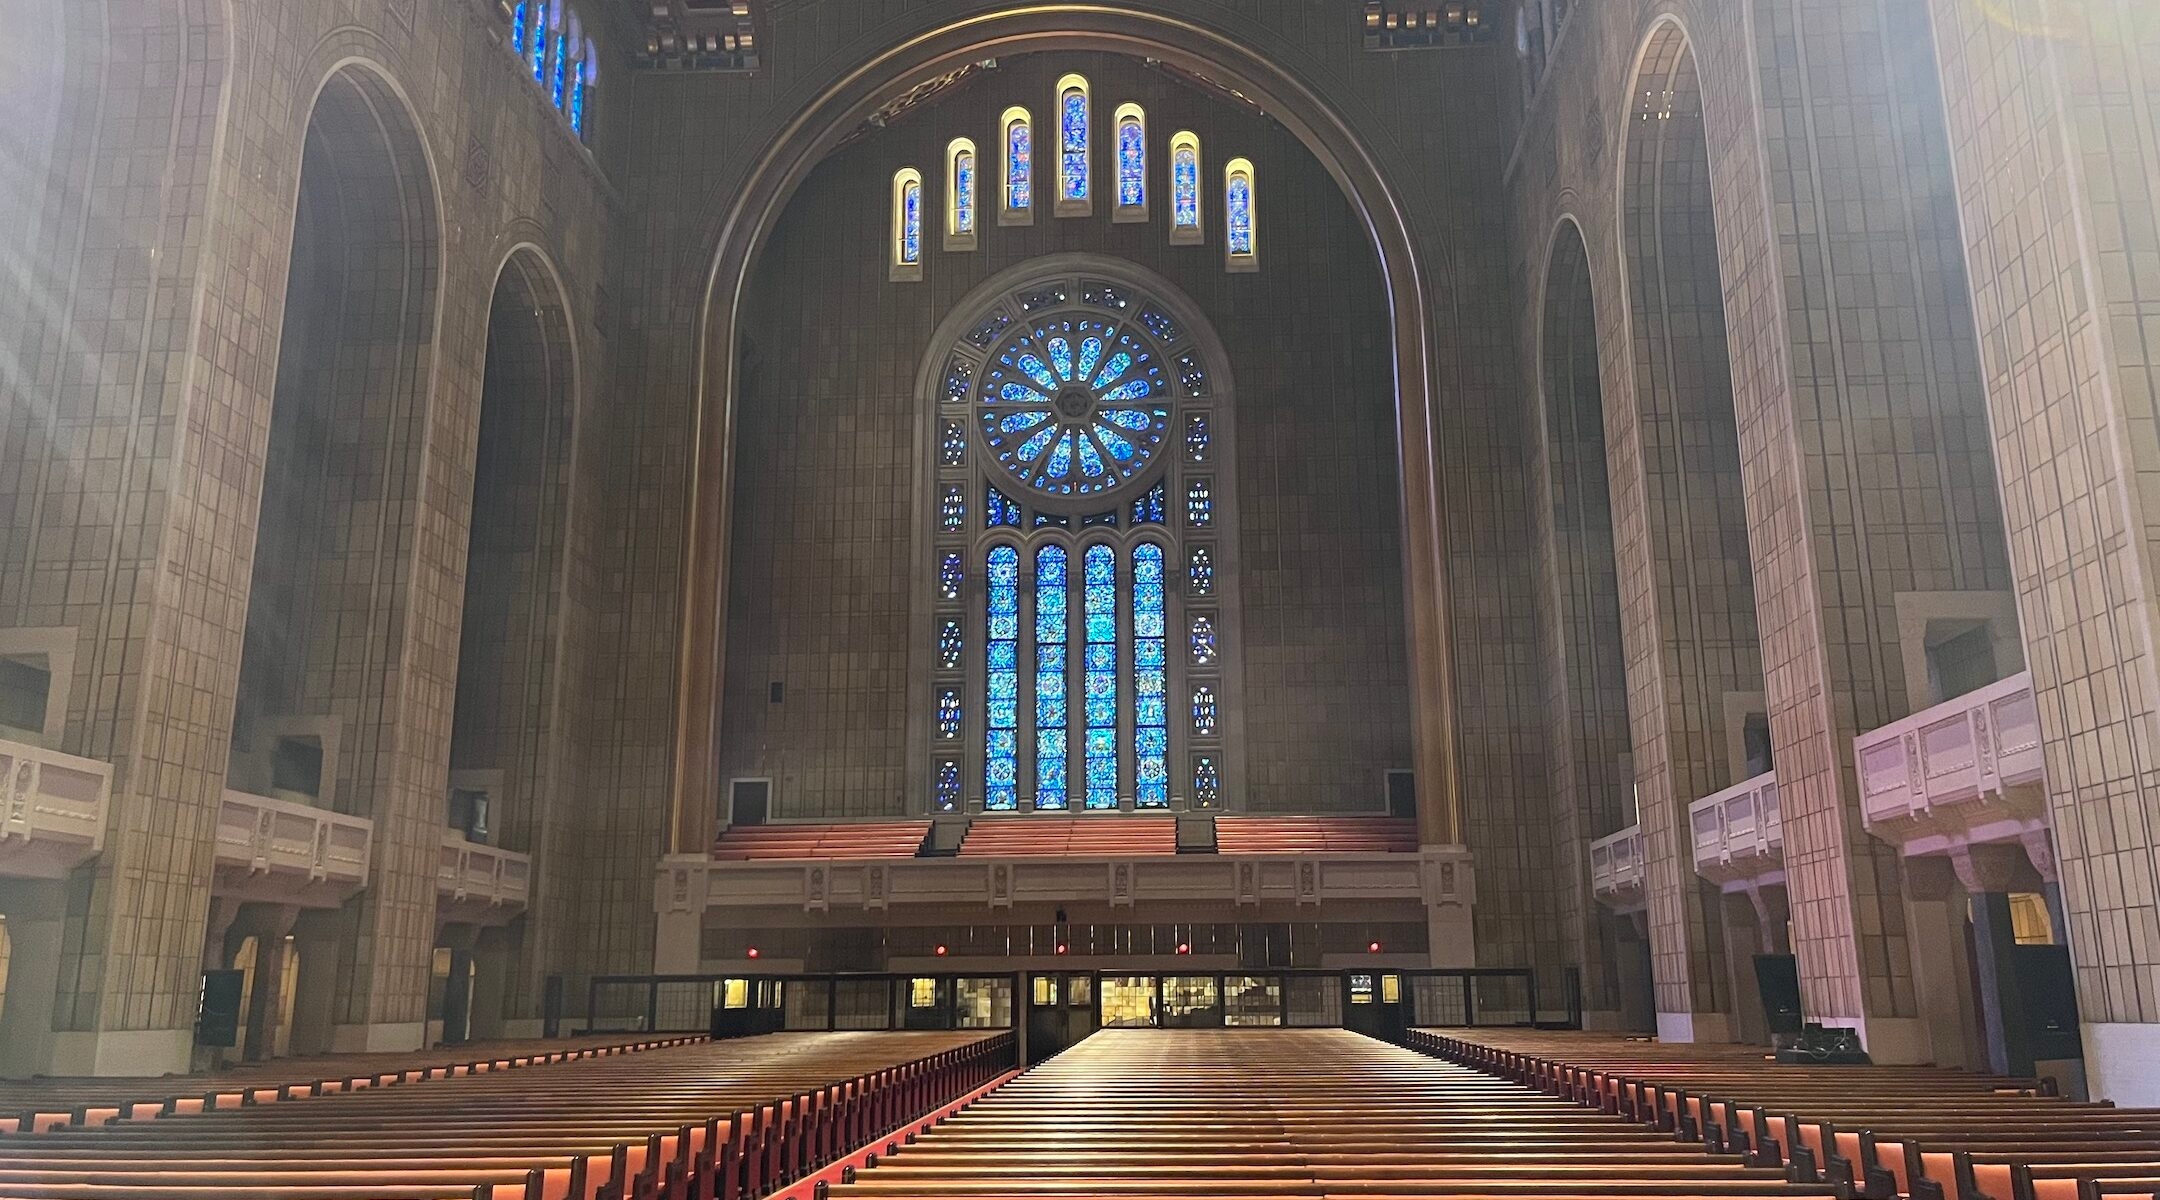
{"x":1927,"y":1133}
{"x":725,"y":1120}
{"x":48,"y":1103}
{"x":1309,"y":835}
{"x":1080,"y":837}
{"x":1268,"y":1114}
{"x":856,"y":839}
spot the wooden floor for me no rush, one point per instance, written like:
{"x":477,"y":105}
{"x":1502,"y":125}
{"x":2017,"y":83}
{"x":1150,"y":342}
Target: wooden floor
{"x":1267,"y":1113}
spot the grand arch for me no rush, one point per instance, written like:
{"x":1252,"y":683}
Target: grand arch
{"x":1420,"y":299}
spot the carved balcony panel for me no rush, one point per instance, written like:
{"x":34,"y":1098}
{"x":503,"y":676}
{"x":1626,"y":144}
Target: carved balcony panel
{"x":52,"y":810}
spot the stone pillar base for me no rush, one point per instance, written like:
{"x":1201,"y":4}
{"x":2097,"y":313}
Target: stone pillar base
{"x":123,"y":1052}
{"x":1450,"y":900}
{"x":36,"y":923}
{"x":371,"y":1039}
{"x":2119,"y":1058}
{"x":1694,"y":1027}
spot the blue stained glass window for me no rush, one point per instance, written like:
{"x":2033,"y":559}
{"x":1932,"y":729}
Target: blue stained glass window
{"x":958,"y":376}
{"x":952,"y":508}
{"x":1162,"y":325}
{"x":911,"y":221}
{"x":1152,"y":508}
{"x":562,"y":69}
{"x":1073,"y":143}
{"x":964,"y":192}
{"x":1001,"y":712}
{"x":537,"y":49}
{"x":1185,"y":188}
{"x":1019,"y":165}
{"x":948,"y":714}
{"x":1106,"y":520}
{"x":1203,"y":712}
{"x":1199,"y":504}
{"x":1196,"y":438}
{"x":518,"y":27}
{"x":950,"y":573}
{"x":1239,"y":206}
{"x":1151,"y":734}
{"x":1192,"y":374}
{"x":577,"y":95}
{"x":999,"y":510}
{"x":949,"y":645}
{"x":1099,"y":608}
{"x":1052,"y":520}
{"x":1203,"y":641}
{"x":1051,"y":634}
{"x":1131,"y":163}
{"x":952,"y":445}
{"x":1203,"y":571}
{"x":946,"y":785}
{"x":1071,"y":361}
{"x":1207,"y":782}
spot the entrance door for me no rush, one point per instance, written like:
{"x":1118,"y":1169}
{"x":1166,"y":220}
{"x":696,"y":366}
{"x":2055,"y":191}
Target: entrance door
{"x":1060,"y":1013}
{"x":1129,"y":1002}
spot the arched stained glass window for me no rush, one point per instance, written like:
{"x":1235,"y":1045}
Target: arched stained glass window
{"x":907,"y":244}
{"x":546,"y":17}
{"x":1073,"y":141}
{"x":960,"y":188}
{"x":522,"y":25}
{"x":1019,"y":141}
{"x":1101,"y":667}
{"x":1067,"y":387}
{"x":1052,"y":632}
{"x":1001,"y":713}
{"x":1131,"y":161}
{"x":1185,"y":226}
{"x":563,"y":41}
{"x":1240,"y":216}
{"x":581,"y":89}
{"x":1151,"y":688}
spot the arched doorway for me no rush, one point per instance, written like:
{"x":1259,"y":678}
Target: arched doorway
{"x":1700,"y":672}
{"x":340,"y":524}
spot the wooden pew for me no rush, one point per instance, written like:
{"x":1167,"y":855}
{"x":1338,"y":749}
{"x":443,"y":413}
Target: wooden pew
{"x":1877,"y":1132}
{"x":1265,"y":1113}
{"x":720,"y":1121}
{"x":42,"y":1105}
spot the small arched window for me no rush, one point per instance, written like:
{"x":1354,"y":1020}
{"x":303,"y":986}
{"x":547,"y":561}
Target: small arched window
{"x":960,"y":193}
{"x":546,"y":16}
{"x":1240,"y":216}
{"x":1185,"y":227}
{"x":1074,"y":199}
{"x":1131,"y":125}
{"x":567,"y":34}
{"x":907,"y":225}
{"x":1019,"y":142}
{"x":581,"y":88}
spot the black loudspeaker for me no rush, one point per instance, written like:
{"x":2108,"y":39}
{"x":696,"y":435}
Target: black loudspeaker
{"x":1777,"y":977}
{"x":1819,"y":1045}
{"x":551,"y":1007}
{"x":217,"y":1023}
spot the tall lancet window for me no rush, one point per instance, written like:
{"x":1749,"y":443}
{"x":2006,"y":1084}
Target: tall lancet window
{"x":1185,"y":227}
{"x":907,"y":243}
{"x":1131,"y":125}
{"x":1018,"y":137}
{"x":1241,"y":246}
{"x":960,"y":195}
{"x":581,"y":90}
{"x":1085,"y":413}
{"x":1074,"y":197}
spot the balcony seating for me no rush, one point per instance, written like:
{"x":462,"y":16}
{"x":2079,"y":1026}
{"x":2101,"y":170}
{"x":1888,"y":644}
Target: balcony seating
{"x":51,"y":1102}
{"x":1616,"y":871}
{"x":1921,"y":1132}
{"x":1270,"y":1114}
{"x":1076,"y":837}
{"x":862,"y":839}
{"x":718,"y":1119}
{"x":1315,"y":835}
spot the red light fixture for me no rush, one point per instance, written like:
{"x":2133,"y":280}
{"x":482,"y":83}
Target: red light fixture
{"x":752,"y":952}
{"x":1061,"y":948}
{"x":1184,"y":947}
{"x":941,"y":950}
{"x":1373,"y":949}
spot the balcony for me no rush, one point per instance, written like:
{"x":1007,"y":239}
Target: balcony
{"x":52,"y":810}
{"x":1616,"y":870}
{"x":1963,"y":772}
{"x":287,"y":852}
{"x":1739,"y":834}
{"x":478,"y":884}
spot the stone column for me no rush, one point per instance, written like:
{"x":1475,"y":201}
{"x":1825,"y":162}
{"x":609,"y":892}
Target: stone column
{"x":2054,"y":110}
{"x":1942,"y":967}
{"x":36,"y":922}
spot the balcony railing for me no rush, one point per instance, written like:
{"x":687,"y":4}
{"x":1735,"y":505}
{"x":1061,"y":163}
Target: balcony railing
{"x":52,"y":810}
{"x":287,"y":852}
{"x":1739,"y":833}
{"x":486,"y":885}
{"x":1616,"y":870}
{"x":1966,"y":770}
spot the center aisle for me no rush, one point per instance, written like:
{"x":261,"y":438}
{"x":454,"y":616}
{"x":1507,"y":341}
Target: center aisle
{"x":1265,"y":1113}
